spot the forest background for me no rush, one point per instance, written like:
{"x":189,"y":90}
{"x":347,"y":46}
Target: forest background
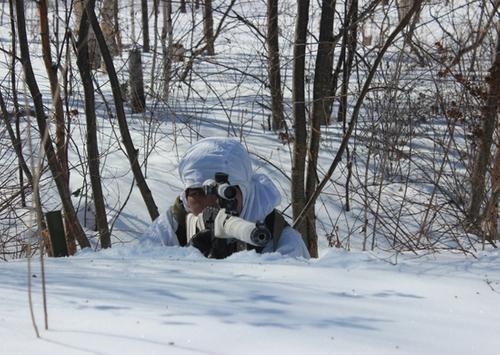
{"x":377,"y":119}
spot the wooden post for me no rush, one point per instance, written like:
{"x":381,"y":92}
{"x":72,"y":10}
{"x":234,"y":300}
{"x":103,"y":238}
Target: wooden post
{"x":56,"y":232}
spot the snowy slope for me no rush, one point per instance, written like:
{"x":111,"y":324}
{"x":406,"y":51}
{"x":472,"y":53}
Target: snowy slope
{"x":133,"y":300}
{"x":147,"y":300}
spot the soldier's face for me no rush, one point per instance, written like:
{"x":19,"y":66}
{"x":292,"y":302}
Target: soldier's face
{"x":197,"y":200}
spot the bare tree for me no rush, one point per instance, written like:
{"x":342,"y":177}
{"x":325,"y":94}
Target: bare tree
{"x":489,"y":123}
{"x":132,"y":152}
{"x":16,"y":143}
{"x":136,"y":82}
{"x":117,"y":27}
{"x":94,"y":54}
{"x":273,"y":64}
{"x":108,"y":25}
{"x":347,"y":58}
{"x":299,"y":114}
{"x":145,"y":26}
{"x":58,"y":173}
{"x":321,"y":109}
{"x":167,"y":46}
{"x":55,"y":89}
{"x":92,"y":146}
{"x":491,"y":214}
{"x":208,"y":27}
{"x":305,"y":213}
{"x":15,"y":101}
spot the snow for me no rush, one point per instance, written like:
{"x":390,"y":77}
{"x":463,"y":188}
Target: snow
{"x":138,"y":299}
{"x":143,"y":299}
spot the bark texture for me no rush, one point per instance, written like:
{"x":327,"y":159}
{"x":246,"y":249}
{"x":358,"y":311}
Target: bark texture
{"x":208,"y":27}
{"x":108,"y":25}
{"x":94,"y":53}
{"x":145,"y":26}
{"x":299,"y":115}
{"x":136,"y":82}
{"x":273,"y":60}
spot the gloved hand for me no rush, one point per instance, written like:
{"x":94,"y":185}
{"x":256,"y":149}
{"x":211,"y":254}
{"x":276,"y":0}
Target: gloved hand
{"x":208,"y":216}
{"x":220,"y":249}
{"x":202,"y":241}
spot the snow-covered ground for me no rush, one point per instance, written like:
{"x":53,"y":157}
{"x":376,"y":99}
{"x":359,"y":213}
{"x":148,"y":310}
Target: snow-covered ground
{"x":142,"y":300}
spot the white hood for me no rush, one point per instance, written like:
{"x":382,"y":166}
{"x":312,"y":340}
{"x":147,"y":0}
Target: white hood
{"x":210,"y":155}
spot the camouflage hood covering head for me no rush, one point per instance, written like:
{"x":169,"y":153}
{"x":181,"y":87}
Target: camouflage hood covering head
{"x":211,"y":155}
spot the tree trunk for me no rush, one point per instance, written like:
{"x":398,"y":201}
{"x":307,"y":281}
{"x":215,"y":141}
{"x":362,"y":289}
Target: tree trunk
{"x":354,"y":117}
{"x":349,"y":41}
{"x":132,"y":35}
{"x":152,"y":87}
{"x":299,"y":114}
{"x":145,"y":26}
{"x":273,"y":60}
{"x":55,"y":89}
{"x":182,"y":7}
{"x":75,"y":229}
{"x":15,"y":101}
{"x":92,"y":146}
{"x":118,"y":36}
{"x":108,"y":25}
{"x":167,"y":45}
{"x":403,"y":7}
{"x":491,"y":215}
{"x":132,"y":153}
{"x":321,"y":110}
{"x":62,"y":154}
{"x":136,"y":82}
{"x":208,"y":27}
{"x":322,"y":100}
{"x":483,"y":154}
{"x":94,"y":54}
{"x":347,"y":57}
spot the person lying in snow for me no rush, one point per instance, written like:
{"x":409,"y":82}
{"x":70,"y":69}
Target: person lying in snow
{"x":236,"y":212}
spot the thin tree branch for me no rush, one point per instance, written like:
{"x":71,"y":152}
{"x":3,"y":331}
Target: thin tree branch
{"x":404,"y":22}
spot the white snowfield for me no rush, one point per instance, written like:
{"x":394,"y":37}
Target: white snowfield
{"x":145,"y":300}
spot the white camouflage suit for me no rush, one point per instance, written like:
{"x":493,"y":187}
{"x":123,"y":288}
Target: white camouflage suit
{"x":260,"y":196}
